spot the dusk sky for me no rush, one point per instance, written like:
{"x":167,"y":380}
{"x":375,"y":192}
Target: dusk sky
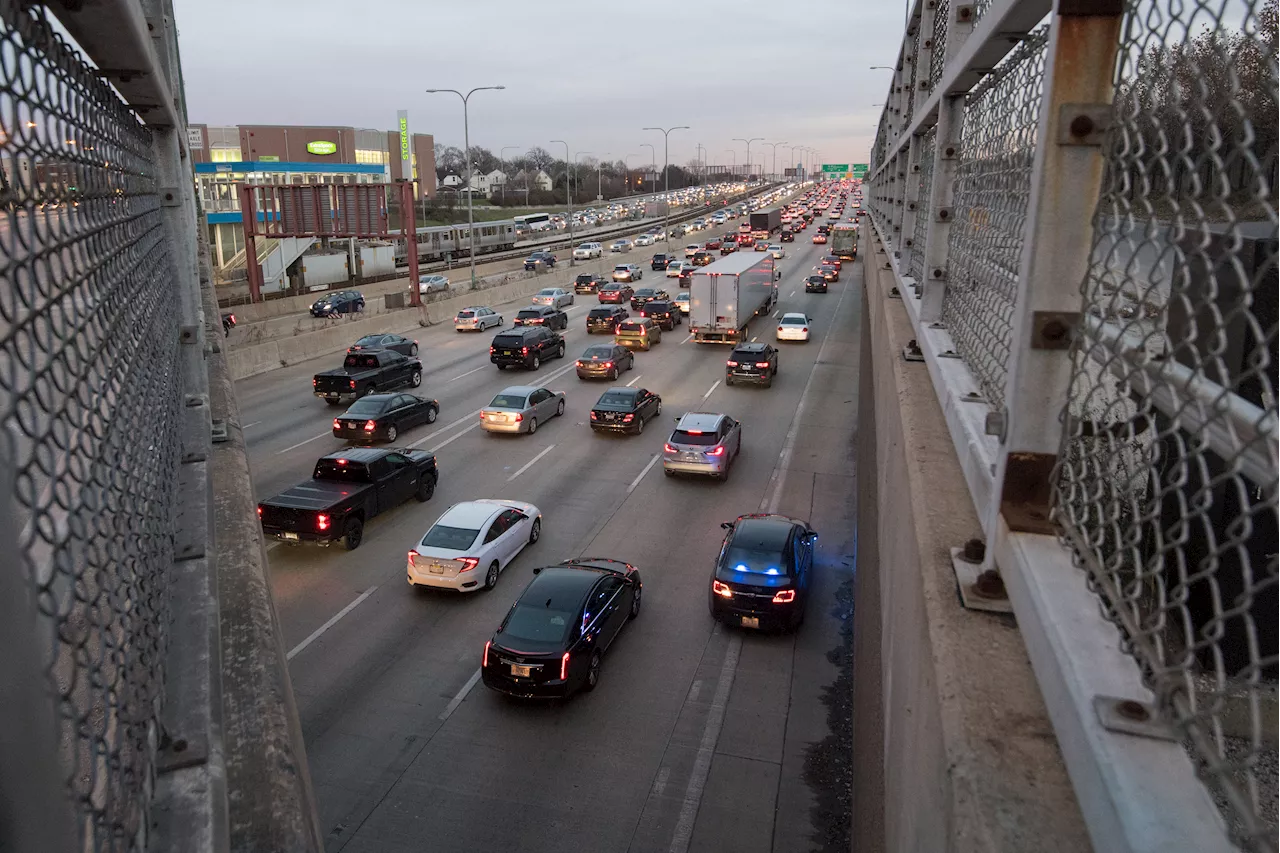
{"x":590,"y":73}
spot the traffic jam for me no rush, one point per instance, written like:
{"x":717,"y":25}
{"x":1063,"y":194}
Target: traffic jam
{"x":554,"y":638}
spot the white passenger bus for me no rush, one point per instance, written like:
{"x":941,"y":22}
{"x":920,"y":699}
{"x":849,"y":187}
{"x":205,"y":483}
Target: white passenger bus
{"x":533,"y":221}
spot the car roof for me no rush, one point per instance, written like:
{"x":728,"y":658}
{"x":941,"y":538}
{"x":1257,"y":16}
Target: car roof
{"x":359,"y":454}
{"x":518,"y":389}
{"x":795,"y":315}
{"x":470,"y":514}
{"x":560,"y":587}
{"x":704,"y":421}
{"x":764,"y":532}
{"x":750,"y":347}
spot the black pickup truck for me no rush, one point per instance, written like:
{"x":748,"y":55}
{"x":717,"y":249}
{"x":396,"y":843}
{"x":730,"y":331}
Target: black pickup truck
{"x":346,"y":489}
{"x":365,"y":372}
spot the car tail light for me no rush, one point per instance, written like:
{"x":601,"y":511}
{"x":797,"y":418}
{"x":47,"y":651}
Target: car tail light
{"x":762,"y":364}
{"x":564,"y":666}
{"x":524,"y":350}
{"x":805,"y":329}
{"x":492,"y":350}
{"x":608,"y":364}
{"x":519,"y":418}
{"x":322,"y":521}
{"x":370,"y":426}
{"x":313,"y":382}
{"x":716,"y":451}
{"x":352,"y":383}
{"x":595,"y":416}
{"x":721,"y":589}
{"x":468,"y":563}
{"x":786,"y":596}
{"x":259,"y":512}
{"x":413,"y":558}
{"x":731,"y":363}
{"x":337,"y":424}
{"x":484,"y":661}
{"x":779,"y":328}
{"x":667,"y":448}
{"x":233,"y":319}
{"x":628,"y":419}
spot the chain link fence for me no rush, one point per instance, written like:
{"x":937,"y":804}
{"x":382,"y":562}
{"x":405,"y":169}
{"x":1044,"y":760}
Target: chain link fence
{"x":1167,"y":488}
{"x":992,"y":190}
{"x":926,"y":148}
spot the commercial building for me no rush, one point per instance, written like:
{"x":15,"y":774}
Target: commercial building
{"x":226,"y":156}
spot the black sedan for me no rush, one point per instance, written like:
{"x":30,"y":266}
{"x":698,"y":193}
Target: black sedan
{"x":542,"y":315}
{"x":553,"y":641}
{"x":647,"y":294}
{"x":829,"y":273}
{"x":763,"y":574}
{"x":588,"y":283}
{"x":382,"y":417}
{"x":396,"y":343}
{"x":337,"y":303}
{"x":815,"y":284}
{"x":625,"y":409}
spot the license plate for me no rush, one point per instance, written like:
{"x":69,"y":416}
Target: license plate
{"x":351,"y":426}
{"x":507,"y":352}
{"x":436,"y":569}
{"x":520,"y":671}
{"x":289,"y":536}
{"x":750,"y":621}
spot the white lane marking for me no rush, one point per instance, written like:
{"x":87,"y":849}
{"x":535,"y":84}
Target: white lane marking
{"x":776,"y":313}
{"x":531,"y":462}
{"x":462,"y":694}
{"x":634,"y":381}
{"x":631,"y":488}
{"x":468,"y":373}
{"x":307,"y":441}
{"x":710,"y":391}
{"x":706,"y":749}
{"x":315,"y":635}
{"x":254,"y":424}
{"x":660,"y":783}
{"x":451,"y":439}
{"x":755,"y":338}
{"x":436,"y":433}
{"x":694,"y":690}
{"x":793,"y":293}
{"x":773,"y":491}
{"x":686,"y":340}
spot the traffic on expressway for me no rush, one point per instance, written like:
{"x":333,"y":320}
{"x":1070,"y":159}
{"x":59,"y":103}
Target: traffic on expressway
{"x":549,"y":589}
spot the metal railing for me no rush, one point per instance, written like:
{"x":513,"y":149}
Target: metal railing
{"x":1077,"y":200}
{"x":115,"y":733}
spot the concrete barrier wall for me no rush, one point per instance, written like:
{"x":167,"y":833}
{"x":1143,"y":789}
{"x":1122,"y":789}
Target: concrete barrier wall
{"x":954,"y":750}
{"x":334,"y":336}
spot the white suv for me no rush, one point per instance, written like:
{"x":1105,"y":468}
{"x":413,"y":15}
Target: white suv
{"x":587,"y":251}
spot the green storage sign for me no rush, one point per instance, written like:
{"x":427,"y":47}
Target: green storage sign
{"x":321,"y":147}
{"x":859,"y":170}
{"x":835,"y":167}
{"x":269,"y":158}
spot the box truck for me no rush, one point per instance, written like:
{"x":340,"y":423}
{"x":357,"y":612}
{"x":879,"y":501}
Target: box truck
{"x":724,"y":296}
{"x":765,"y":222}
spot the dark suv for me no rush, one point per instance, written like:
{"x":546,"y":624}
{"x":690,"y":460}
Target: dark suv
{"x":526,"y":347}
{"x":667,"y":315}
{"x":660,"y":261}
{"x":539,"y":260}
{"x":751,"y":362}
{"x":542,"y":315}
{"x":605,"y":319}
{"x":588,"y":283}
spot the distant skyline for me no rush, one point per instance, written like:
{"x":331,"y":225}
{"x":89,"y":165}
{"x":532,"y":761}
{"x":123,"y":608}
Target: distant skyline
{"x":796,"y":73}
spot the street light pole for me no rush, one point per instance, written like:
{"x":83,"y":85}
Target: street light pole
{"x":702,"y":170}
{"x":774,"y":170}
{"x":466,"y":141}
{"x":600,"y":177}
{"x":503,"y":160}
{"x":653,"y":166}
{"x":749,"y":141}
{"x":734,"y":154}
{"x":666,"y":177}
{"x":568,"y":194}
{"x":626,"y":163}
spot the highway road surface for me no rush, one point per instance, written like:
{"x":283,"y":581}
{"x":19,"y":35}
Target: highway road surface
{"x":700,"y":737}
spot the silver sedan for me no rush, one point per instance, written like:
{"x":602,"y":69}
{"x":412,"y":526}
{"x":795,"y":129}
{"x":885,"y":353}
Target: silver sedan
{"x":556,"y":297}
{"x":521,"y":408}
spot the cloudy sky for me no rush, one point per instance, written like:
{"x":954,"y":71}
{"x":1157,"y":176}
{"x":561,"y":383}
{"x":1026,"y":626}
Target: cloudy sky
{"x":592,"y":73}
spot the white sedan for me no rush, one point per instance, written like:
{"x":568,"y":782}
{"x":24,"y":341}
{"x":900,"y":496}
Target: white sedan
{"x":692,"y":249}
{"x":776,"y":250}
{"x":674,"y":268}
{"x":793,"y":327}
{"x":469,"y":546}
{"x":644,"y":240}
{"x":433,"y":283}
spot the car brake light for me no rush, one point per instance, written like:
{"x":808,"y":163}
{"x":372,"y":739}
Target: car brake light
{"x":564,"y":666}
{"x":337,"y":424}
{"x":342,"y":462}
{"x":608,"y":364}
{"x":524,"y":350}
{"x":732,"y":363}
{"x":370,"y":426}
{"x":468,"y":563}
{"x":721,"y":589}
{"x":595,"y":417}
{"x":412,"y":557}
{"x":779,"y":328}
{"x":762,"y":364}
{"x":519,"y":418}
{"x":322,"y":521}
{"x":667,"y":448}
{"x":259,"y":512}
{"x":492,"y":350}
{"x":484,"y":661}
{"x":313,"y":382}
{"x":784,"y":597}
{"x":717,"y":451}
{"x":628,"y":418}
{"x":805,"y":329}
{"x":352,"y":383}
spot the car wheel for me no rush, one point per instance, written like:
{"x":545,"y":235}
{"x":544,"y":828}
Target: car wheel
{"x":658,"y":410}
{"x":432,"y":414}
{"x":535,"y":363}
{"x":491,"y":576}
{"x":333,"y":402}
{"x":416,"y":378}
{"x":560,"y":408}
{"x":502,"y":367}
{"x":560,"y":351}
{"x":768,"y":383}
{"x":392,"y":433}
{"x":533,"y":425}
{"x":426,"y":489}
{"x":639,"y":425}
{"x":535,"y":532}
{"x":613,"y":375}
{"x":593,"y":672}
{"x":413,"y":350}
{"x":635,"y":603}
{"x":353,"y":534}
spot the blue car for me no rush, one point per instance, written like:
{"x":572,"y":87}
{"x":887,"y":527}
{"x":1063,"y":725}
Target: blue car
{"x":337,"y":303}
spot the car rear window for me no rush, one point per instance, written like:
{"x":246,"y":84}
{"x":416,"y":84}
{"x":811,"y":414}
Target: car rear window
{"x":622,"y":268}
{"x":509,"y":341}
{"x":538,"y":624}
{"x":629,"y":326}
{"x":704,"y":439}
{"x":658,"y":306}
{"x":508,"y":401}
{"x":368,"y":341}
{"x":617,"y":398}
{"x":547,"y":292}
{"x":530,"y":312}
{"x":601,"y":351}
{"x":600,"y":313}
{"x":466,"y":315}
{"x":449,"y":538}
{"x":366,"y":407}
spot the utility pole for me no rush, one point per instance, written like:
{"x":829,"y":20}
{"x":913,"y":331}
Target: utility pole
{"x":653,"y":166}
{"x":749,"y":141}
{"x":666,"y":177}
{"x":568,"y":192}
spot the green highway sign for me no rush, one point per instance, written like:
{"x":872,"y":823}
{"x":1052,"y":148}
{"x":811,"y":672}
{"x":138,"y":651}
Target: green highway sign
{"x":859,"y":170}
{"x":835,"y":167}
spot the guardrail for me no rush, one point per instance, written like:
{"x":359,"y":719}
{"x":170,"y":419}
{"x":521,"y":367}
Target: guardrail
{"x":1077,"y":200}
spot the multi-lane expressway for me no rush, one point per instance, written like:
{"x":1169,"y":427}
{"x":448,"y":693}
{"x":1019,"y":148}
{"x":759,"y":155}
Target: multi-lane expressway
{"x":700,"y":737}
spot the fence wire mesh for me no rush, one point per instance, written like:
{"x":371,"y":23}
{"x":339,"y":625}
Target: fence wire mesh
{"x":938,"y":59}
{"x":1167,"y":482}
{"x":924,"y":207}
{"x":992,"y":191}
{"x":90,"y":398}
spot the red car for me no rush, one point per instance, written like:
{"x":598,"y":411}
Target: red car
{"x":833,"y":260}
{"x":615,"y":293}
{"x":712,"y":244}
